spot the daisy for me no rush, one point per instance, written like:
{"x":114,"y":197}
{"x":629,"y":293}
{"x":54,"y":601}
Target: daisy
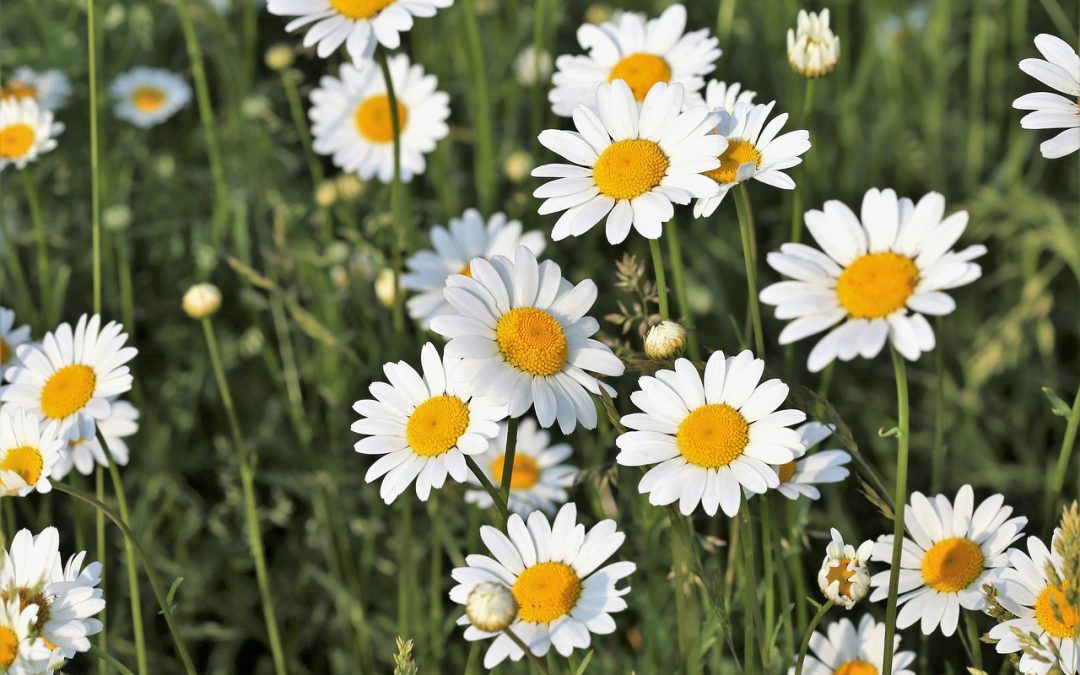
{"x":423,"y":426}
{"x":539,"y":479}
{"x":524,"y":335}
{"x":358,"y":24}
{"x":876,"y":278}
{"x":26,"y":131}
{"x":1040,"y":608}
{"x":554,"y":572}
{"x":146,"y":97}
{"x":752,"y":149}
{"x":10,"y":338}
{"x":50,"y":88}
{"x":29,"y":448}
{"x":847,"y":651}
{"x":73,"y":375}
{"x":953,"y":550}
{"x":722,"y":96}
{"x":21,"y":652}
{"x":638,"y":52}
{"x":351,"y":119}
{"x":812,"y":48}
{"x":85,"y":452}
{"x":630,"y":163}
{"x":844,"y":577}
{"x":452,"y":248}
{"x":1060,"y":71}
{"x":710,"y":435}
{"x":798,"y":477}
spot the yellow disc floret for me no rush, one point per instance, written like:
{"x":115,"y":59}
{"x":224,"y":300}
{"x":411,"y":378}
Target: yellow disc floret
{"x":148,"y":99}
{"x":5,"y":351}
{"x":373,"y":119}
{"x":18,"y":91}
{"x":532,"y":341}
{"x":713,"y":435}
{"x":952,"y":565}
{"x":856,"y":667}
{"x":546,"y":591}
{"x":526,"y":471}
{"x":9,"y":646}
{"x":360,"y":9}
{"x":876,"y":285}
{"x":786,"y":471}
{"x":16,"y":140}
{"x":68,"y":391}
{"x":25,"y":461}
{"x":1055,"y":614}
{"x":641,"y":71}
{"x":738,"y":152}
{"x":436,"y":425}
{"x":630,"y":168}
{"x":842,"y":575}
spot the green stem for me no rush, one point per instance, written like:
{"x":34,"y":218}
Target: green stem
{"x":44,"y":277}
{"x":1057,"y":479}
{"x":810,"y":632}
{"x":107,"y":660}
{"x":492,"y":491}
{"x":754,"y":622}
{"x":661,"y":279}
{"x":675,"y":253}
{"x":485,"y":141}
{"x":536,"y":661}
{"x":95,"y":156}
{"x":99,"y":527}
{"x":400,"y":234}
{"x":899,"y":502}
{"x":797,"y":196}
{"x":746,"y":230}
{"x":937,"y":463}
{"x":974,"y":644}
{"x":508,"y":460}
{"x":538,"y":87}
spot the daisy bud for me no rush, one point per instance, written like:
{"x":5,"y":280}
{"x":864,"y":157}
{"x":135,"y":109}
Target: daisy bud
{"x":202,"y":300}
{"x":491,"y":607}
{"x":349,"y":187}
{"x":599,"y":13}
{"x":665,"y":340}
{"x":844,"y":577}
{"x":812,"y":48}
{"x":279,"y":57}
{"x":326,"y":194}
{"x":529,"y":65}
{"x":116,"y":218}
{"x":518,"y":165}
{"x":384,"y":287}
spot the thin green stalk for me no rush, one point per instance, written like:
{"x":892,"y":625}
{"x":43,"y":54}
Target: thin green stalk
{"x":1057,"y":479}
{"x":974,"y":644}
{"x":937,"y":462}
{"x":754,"y":623}
{"x":686,"y":614}
{"x":768,"y":569}
{"x":99,"y":531}
{"x":675,"y":253}
{"x":536,"y":661}
{"x":296,"y":111}
{"x":405,"y":576}
{"x":797,"y":196}
{"x":107,"y":660}
{"x":484,"y":150}
{"x":44,"y":277}
{"x":95,"y":155}
{"x":810,"y":632}
{"x":508,"y":459}
{"x":396,"y":187}
{"x":492,"y":491}
{"x":782,"y":579}
{"x":538,"y":87}
{"x":899,"y":501}
{"x":661,"y":279}
{"x":746,"y":228}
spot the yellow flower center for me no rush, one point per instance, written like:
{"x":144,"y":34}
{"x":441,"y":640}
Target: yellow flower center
{"x":373,"y":120}
{"x":67,"y":391}
{"x":786,"y":471}
{"x":436,"y":425}
{"x":360,"y":9}
{"x":148,"y":99}
{"x":25,"y":461}
{"x":18,"y":90}
{"x":630,"y":168}
{"x":525,"y":474}
{"x":876,"y":285}
{"x":841,"y":574}
{"x":466,"y":270}
{"x":855,"y":667}
{"x":9,"y":646}
{"x":641,"y":71}
{"x":16,"y":140}
{"x":952,"y":565}
{"x":713,"y":435}
{"x":5,"y":351}
{"x":546,"y":591}
{"x":532,"y":341}
{"x":1053,"y":604}
{"x":737,"y":153}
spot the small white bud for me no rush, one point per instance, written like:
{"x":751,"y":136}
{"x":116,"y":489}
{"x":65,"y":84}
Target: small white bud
{"x":665,"y":340}
{"x":384,"y":287}
{"x":518,"y":165}
{"x":812,"y":48}
{"x":491,"y":607}
{"x":202,"y":300}
{"x":280,"y":56}
{"x":528,"y":67}
{"x":844,"y":577}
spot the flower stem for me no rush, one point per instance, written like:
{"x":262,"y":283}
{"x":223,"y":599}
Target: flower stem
{"x":746,"y":230}
{"x":538,"y":88}
{"x":675,"y":253}
{"x":508,"y":459}
{"x":810,"y":632}
{"x":44,"y":277}
{"x":484,"y":150}
{"x":1057,"y":479}
{"x":95,"y":155}
{"x":536,"y":661}
{"x":754,"y":622}
{"x":797,"y":195}
{"x":492,"y":491}
{"x":99,"y":527}
{"x":400,"y":234}
{"x":974,"y":644}
{"x":661,"y":279}
{"x":899,"y":504}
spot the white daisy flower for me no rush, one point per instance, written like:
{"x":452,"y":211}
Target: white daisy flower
{"x":21,"y":652}
{"x":423,"y":426}
{"x":146,"y":97}
{"x":539,"y":479}
{"x":630,"y":163}
{"x":26,"y":131}
{"x":554,"y":572}
{"x":847,"y":651}
{"x":638,"y":52}
{"x":29,"y":448}
{"x":351,"y":118}
{"x":1060,"y":71}
{"x":723,"y":96}
{"x":844,"y":576}
{"x":10,"y":338}
{"x":1040,"y":608}
{"x":798,"y":477}
{"x":876,"y":278}
{"x":85,"y":452}
{"x":452,"y":248}
{"x":50,"y":88}
{"x":525,"y":337}
{"x":709,"y":436}
{"x":357,"y":24}
{"x":753,"y":150}
{"x":953,"y":550}
{"x":73,"y":375}
{"x":811,"y":47}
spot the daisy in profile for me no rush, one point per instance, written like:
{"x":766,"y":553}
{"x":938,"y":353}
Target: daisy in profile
{"x":29,"y":448}
{"x":845,"y":650}
{"x":423,"y":426}
{"x":710,"y":437}
{"x":539,"y":479}
{"x":638,"y":52}
{"x":352,"y":123}
{"x":525,"y":335}
{"x":844,"y":577}
{"x":85,"y":452}
{"x":452,"y":248}
{"x":50,"y":88}
{"x":753,"y":149}
{"x":723,"y":96}
{"x":799,"y":477}
{"x":73,"y":375}
{"x":10,"y":338}
{"x":26,"y":131}
{"x":1060,"y":71}
{"x":876,"y":278}
{"x":357,"y":24}
{"x":953,"y":549}
{"x":21,"y":652}
{"x":554,"y":572}
{"x":1041,"y":608}
{"x":146,"y":97}
{"x":629,"y":163}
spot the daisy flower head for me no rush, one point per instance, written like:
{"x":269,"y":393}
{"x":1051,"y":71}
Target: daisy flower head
{"x":85,"y":452}
{"x":953,"y":549}
{"x":710,"y":436}
{"x":1061,"y":71}
{"x":360,"y":25}
{"x":629,"y":163}
{"x":452,"y":248}
{"x":539,"y":479}
{"x":73,"y":375}
{"x":351,"y":120}
{"x":877,"y":276}
{"x":752,"y":149}
{"x":50,"y":88}
{"x":21,"y":652}
{"x":723,"y":96}
{"x":637,"y":51}
{"x":423,"y":425}
{"x":525,"y":336}
{"x":799,"y":477}
{"x":1040,"y":606}
{"x":11,"y":336}
{"x":555,"y":573}
{"x":146,"y":97}
{"x":844,"y":576}
{"x":847,"y":650}
{"x":29,"y":448}
{"x":26,"y":131}
{"x":812,"y":47}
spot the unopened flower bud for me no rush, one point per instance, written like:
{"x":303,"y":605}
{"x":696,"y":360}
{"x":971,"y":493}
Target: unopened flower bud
{"x":202,"y":300}
{"x":326,"y":193}
{"x":844,"y":577}
{"x":116,"y":218}
{"x":528,"y":67}
{"x":385,"y":281}
{"x":665,"y":340}
{"x":812,"y":48}
{"x":518,"y":165}
{"x":491,"y":607}
{"x":279,"y":57}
